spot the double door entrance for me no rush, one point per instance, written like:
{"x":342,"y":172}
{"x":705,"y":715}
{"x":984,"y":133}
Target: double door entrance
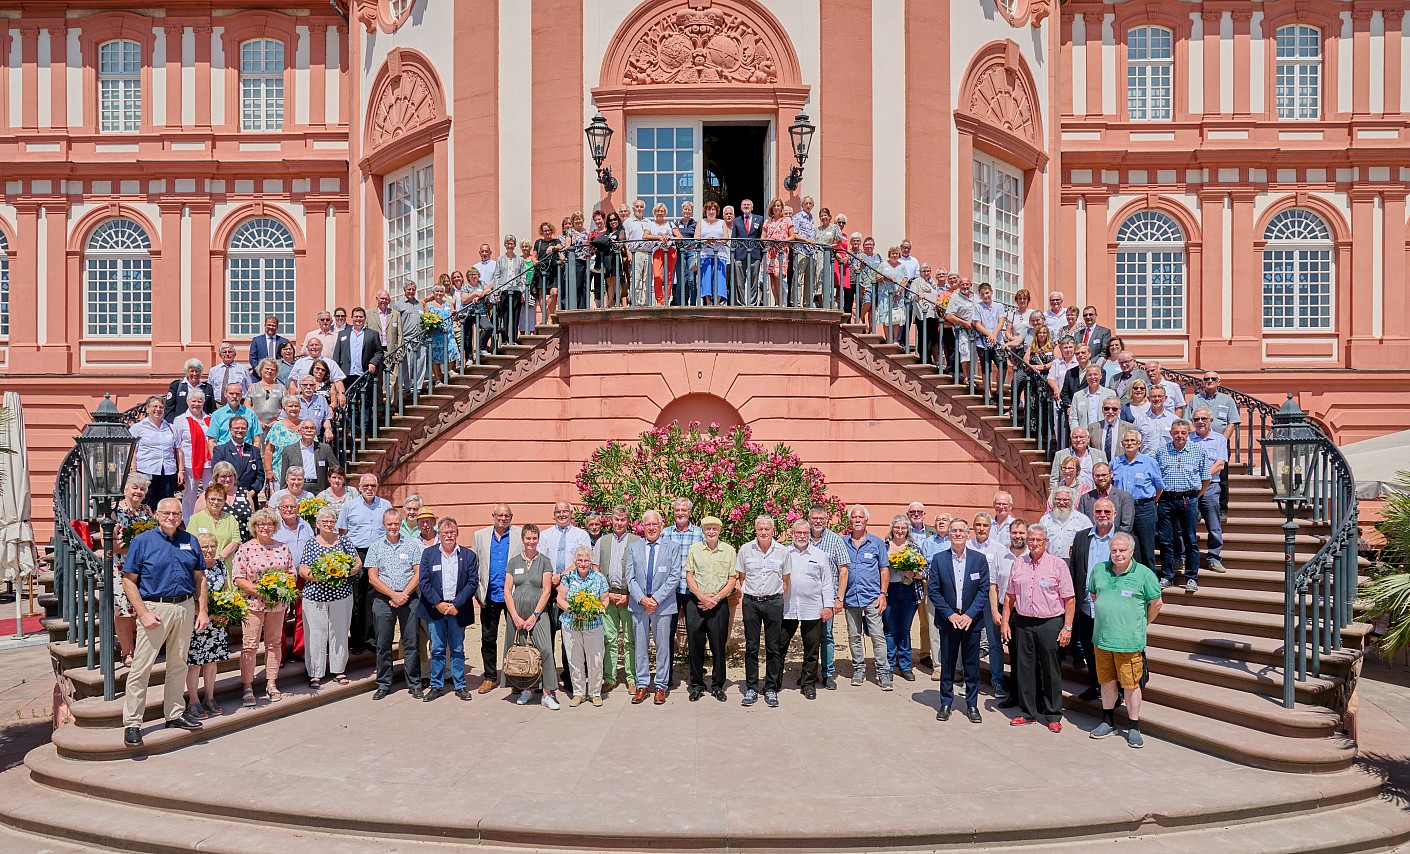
{"x":678,"y":160}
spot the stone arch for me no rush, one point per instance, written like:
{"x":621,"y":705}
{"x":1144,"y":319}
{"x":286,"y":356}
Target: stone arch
{"x":700,"y":407}
{"x":999,"y":103}
{"x":700,"y":41}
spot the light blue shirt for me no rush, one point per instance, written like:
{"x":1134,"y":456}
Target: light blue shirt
{"x":685,"y":539}
{"x":219,"y":430}
{"x":1140,"y":477}
{"x":1098,"y":552}
{"x":395,"y":562}
{"x":355,"y":366}
{"x":363,"y":521}
{"x":933,"y":545}
{"x":316,"y":410}
{"x":864,"y":570}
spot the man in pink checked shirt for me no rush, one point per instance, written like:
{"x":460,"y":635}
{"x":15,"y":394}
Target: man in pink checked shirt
{"x":1038,"y":610}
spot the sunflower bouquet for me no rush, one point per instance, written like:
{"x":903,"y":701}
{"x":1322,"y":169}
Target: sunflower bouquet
{"x":277,"y":588}
{"x":584,"y":607}
{"x":309,"y":507}
{"x":226,"y":606}
{"x":431,"y":323}
{"x":332,"y":568}
{"x":130,"y":532}
{"x":909,"y":563}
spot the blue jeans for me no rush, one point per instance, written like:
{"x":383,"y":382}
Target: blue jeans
{"x":829,"y":651}
{"x":1209,"y":509}
{"x":896,"y":620}
{"x":1178,"y":538}
{"x":444,"y":631}
{"x":996,"y":657}
{"x":1143,"y":526}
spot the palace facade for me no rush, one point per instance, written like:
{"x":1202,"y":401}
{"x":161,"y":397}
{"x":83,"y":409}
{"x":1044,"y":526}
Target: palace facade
{"x":1225,"y":181}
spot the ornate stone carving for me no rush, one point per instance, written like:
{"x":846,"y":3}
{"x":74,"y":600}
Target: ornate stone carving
{"x":406,"y":103}
{"x":1038,"y":11}
{"x":1000,"y":98}
{"x":701,"y":44}
{"x":933,"y":399}
{"x":470,"y":401}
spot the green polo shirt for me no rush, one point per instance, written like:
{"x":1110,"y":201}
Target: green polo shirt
{"x":1119,"y":606}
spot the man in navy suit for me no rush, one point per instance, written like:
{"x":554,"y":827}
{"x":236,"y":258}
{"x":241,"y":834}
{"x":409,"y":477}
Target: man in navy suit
{"x":748,"y":226}
{"x":958,"y":587}
{"x":450,"y":578}
{"x":653,"y":574}
{"x":266,"y":346}
{"x":249,"y":465}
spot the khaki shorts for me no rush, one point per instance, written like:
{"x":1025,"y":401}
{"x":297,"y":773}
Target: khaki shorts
{"x":1124,"y":668}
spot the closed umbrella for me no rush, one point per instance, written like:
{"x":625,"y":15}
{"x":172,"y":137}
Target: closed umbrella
{"x":18,"y":555}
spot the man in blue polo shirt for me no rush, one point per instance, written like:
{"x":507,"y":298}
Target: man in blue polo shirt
{"x":361,"y":521}
{"x":164,"y":578}
{"x":1139,"y":474}
{"x":864,"y":595}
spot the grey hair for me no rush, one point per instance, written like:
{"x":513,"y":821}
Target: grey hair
{"x":622,"y":510}
{"x":866,"y":514}
{"x":192,"y":363}
{"x":259,"y":368}
{"x":139,"y":479}
{"x":1128,"y":538}
{"x":264,"y":514}
{"x":329,"y":512}
{"x":284,"y":401}
{"x":196,"y":395}
{"x":655,"y":513}
{"x":581,"y":550}
{"x":1179,"y":421}
{"x":1071,"y":493}
{"x":298,"y":470}
{"x":415,"y":496}
{"x":764,"y":517}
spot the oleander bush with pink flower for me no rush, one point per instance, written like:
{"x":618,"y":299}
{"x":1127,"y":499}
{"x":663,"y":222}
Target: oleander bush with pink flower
{"x":722,"y":472}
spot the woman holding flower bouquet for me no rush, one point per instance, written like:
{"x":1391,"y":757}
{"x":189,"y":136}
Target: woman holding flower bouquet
{"x":528,"y":582}
{"x":328,"y":565}
{"x":435,"y":323}
{"x":582,"y":597}
{"x":132,"y":517}
{"x":264,"y":573}
{"x":210,"y":645}
{"x":901,"y":602}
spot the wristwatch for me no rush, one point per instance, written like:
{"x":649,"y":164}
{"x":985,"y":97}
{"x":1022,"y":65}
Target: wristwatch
{"x":1067,"y":628}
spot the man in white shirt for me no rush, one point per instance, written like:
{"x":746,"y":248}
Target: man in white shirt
{"x":999,"y":572}
{"x":229,"y":371}
{"x":1154,"y":426}
{"x":323,"y":333}
{"x":909,"y":262}
{"x":304,"y":364}
{"x":809,"y":601}
{"x":1062,"y":523}
{"x":487,"y":265}
{"x":1003,"y":518}
{"x":760,"y":564}
{"x":633,"y":230}
{"x":1056,"y":315}
{"x":559,"y":542}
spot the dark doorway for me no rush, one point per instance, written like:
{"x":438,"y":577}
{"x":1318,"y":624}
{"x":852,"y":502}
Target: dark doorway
{"x":734,"y":164}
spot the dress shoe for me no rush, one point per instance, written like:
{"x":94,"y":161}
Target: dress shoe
{"x":695,"y":694}
{"x":416,"y":692}
{"x":810,"y":692}
{"x":433,"y":694}
{"x":660,"y":697}
{"x":463,"y":693}
{"x":184,"y":722}
{"x":925,"y":661}
{"x":718,"y":694}
{"x":1055,"y":726}
{"x":132,"y":736}
{"x":830,"y":683}
{"x":943,"y":714}
{"x":973,"y":715}
{"x":908,"y":675}
{"x":640,"y":696}
{"x":381,"y":693}
{"x":1090,"y":694}
{"x":1008,"y":703}
{"x":608,"y":686}
{"x":488,"y":685}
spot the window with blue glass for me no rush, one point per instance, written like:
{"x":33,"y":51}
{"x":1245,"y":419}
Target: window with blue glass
{"x":665,"y":166}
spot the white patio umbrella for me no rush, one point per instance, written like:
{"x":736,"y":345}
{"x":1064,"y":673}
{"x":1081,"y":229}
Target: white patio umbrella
{"x":18,"y":555}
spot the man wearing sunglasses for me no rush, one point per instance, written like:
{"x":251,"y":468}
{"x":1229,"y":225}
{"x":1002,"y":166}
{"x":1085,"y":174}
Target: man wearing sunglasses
{"x":1056,"y":315}
{"x":1225,"y":420}
{"x":1216,"y":447}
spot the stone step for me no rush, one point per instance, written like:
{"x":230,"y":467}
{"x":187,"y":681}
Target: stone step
{"x":89,"y":683}
{"x":1229,"y":598}
{"x":1255,"y":711}
{"x":1254,"y":680}
{"x":1222,"y":622}
{"x":1257,"y":652}
{"x":1241,"y":579}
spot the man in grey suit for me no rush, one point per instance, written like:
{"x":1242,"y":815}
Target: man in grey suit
{"x":315,"y":457}
{"x":1106,"y":434}
{"x":1093,"y":334}
{"x":1081,"y":448}
{"x":653,"y":574}
{"x":408,"y":306}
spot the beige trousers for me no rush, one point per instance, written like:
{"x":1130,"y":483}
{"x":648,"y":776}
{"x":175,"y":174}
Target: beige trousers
{"x":174,"y":634}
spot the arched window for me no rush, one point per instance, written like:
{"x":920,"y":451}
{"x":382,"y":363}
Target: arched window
{"x":398,"y":8}
{"x":118,"y":280}
{"x":1298,"y":72}
{"x":1297,"y":271}
{"x":1150,"y":67}
{"x":259,"y":276}
{"x":411,"y":227}
{"x":262,"y":85}
{"x":4,"y":286}
{"x":119,"y":86}
{"x":1150,"y":273}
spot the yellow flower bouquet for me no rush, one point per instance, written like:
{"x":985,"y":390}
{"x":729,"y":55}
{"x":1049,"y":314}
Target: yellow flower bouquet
{"x":584,"y":607}
{"x":332,"y":568}
{"x":277,"y":588}
{"x":908,"y":563}
{"x":308,"y":509}
{"x":226,"y":606}
{"x":131,"y":531}
{"x":432,"y":323}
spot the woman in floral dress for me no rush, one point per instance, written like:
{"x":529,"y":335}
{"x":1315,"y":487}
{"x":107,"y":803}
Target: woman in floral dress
{"x":129,"y":511}
{"x":327,"y":607}
{"x":210,"y":645}
{"x":281,"y":434}
{"x":443,"y":348}
{"x":777,"y":229}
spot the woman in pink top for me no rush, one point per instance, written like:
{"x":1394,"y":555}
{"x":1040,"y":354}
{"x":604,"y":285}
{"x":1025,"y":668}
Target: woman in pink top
{"x":777,"y":228}
{"x":265,"y":619}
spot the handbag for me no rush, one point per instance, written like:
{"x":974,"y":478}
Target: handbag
{"x":523,"y":663}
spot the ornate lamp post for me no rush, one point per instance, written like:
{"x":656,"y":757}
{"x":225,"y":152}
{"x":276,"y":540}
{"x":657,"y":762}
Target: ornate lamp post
{"x":599,"y":136}
{"x":801,"y":133}
{"x":1288,"y":451}
{"x":107,"y":447}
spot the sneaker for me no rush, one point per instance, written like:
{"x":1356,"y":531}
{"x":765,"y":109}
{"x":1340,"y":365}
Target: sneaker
{"x":1020,"y":721}
{"x":525,"y":697}
{"x":830,"y":683}
{"x":573,"y":703}
{"x":550,"y":701}
{"x":1214,"y":565}
{"x":1191,"y":586}
{"x":196,"y":712}
{"x":1165,"y":582}
{"x":1054,"y":726}
{"x":750,"y":698}
{"x":858,"y":679}
{"x":886,"y":682}
{"x":1133,"y":738}
{"x":1102,"y":730}
{"x":771,"y":699}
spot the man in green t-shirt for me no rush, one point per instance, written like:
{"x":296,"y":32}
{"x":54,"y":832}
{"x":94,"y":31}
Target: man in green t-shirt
{"x":1125,"y":599}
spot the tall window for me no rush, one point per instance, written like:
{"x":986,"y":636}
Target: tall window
{"x":665,"y":167}
{"x":262,"y":85}
{"x":4,"y":286}
{"x":998,"y":227}
{"x":119,"y":86}
{"x":1298,"y":74}
{"x":411,"y":230}
{"x":1297,"y":271}
{"x":118,"y":280}
{"x":1150,"y":273}
{"x":1150,"y":65}
{"x":259,"y":272}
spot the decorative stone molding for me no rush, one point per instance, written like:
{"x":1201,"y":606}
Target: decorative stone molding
{"x":700,"y":42}
{"x":998,"y":104}
{"x":935,"y":400}
{"x":643,"y":329}
{"x":406,"y":112}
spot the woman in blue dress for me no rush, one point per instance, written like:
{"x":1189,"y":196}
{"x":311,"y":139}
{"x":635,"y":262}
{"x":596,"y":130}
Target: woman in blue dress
{"x":443,"y":348}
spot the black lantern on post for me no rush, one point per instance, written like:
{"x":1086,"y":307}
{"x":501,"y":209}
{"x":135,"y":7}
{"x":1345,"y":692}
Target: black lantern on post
{"x":1289,"y":454}
{"x":599,"y":136}
{"x":107,"y":448}
{"x":801,"y":134}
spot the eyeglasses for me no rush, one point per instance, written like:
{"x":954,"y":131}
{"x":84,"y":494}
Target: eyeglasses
{"x":1199,"y":419}
{"x":176,"y":513}
{"x":1211,"y":379}
{"x":1111,"y":409}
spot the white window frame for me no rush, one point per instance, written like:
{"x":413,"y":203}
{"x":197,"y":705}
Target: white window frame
{"x":1307,"y":260}
{"x":409,"y":212}
{"x":996,"y":241}
{"x":697,"y":126}
{"x":1152,"y":274}
{"x":117,"y":269}
{"x":1297,"y":72}
{"x":119,"y":86}
{"x":397,"y":8}
{"x":261,"y":277}
{"x":262,"y":100}
{"x":1150,"y":73}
